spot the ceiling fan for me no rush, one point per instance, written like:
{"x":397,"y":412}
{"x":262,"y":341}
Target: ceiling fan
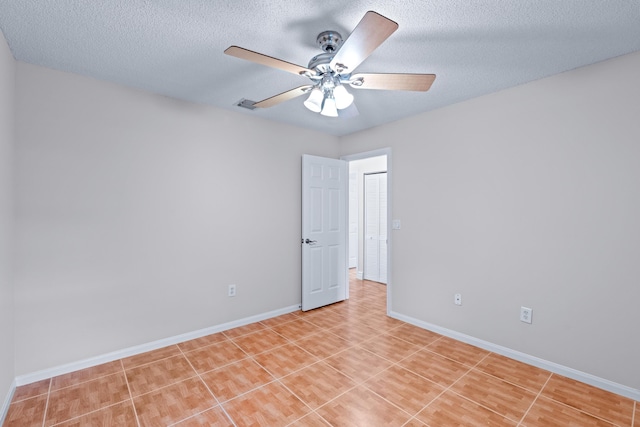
{"x":332,"y":70}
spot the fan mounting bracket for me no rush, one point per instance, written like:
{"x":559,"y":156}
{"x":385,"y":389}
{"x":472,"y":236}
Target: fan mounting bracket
{"x":329,"y":41}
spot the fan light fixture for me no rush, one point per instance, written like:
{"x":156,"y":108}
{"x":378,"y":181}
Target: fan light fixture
{"x":315,"y":100}
{"x":328,"y":97}
{"x":329,"y":107}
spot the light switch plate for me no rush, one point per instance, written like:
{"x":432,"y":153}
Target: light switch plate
{"x":395,"y":224}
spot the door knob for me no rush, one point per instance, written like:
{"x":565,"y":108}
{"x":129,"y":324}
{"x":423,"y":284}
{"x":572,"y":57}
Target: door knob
{"x":309,"y":242}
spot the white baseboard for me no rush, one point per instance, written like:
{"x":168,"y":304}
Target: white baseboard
{"x":7,"y":402}
{"x":143,"y":348}
{"x":526,"y":358}
{"x":359,"y":275}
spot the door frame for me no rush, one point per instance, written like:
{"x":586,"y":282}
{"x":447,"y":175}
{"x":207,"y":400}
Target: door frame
{"x":366,"y":155}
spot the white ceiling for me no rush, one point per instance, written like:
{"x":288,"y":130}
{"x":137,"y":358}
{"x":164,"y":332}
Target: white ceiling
{"x":175,"y":47}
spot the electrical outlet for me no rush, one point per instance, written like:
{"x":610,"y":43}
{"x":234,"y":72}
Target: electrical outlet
{"x":232,"y":291}
{"x":526,"y":314}
{"x":457,"y":299}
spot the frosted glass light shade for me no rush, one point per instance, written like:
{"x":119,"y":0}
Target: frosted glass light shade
{"x":329,"y":108}
{"x":343,"y":97}
{"x":314,"y":101}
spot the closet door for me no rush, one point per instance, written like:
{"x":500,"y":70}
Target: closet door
{"x":375,"y":225}
{"x":382,"y":230}
{"x":353,"y":219}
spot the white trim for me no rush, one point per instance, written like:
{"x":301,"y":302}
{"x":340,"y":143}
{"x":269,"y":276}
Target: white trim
{"x":7,"y":401}
{"x":584,"y":377}
{"x":143,"y":348}
{"x":359,"y":275}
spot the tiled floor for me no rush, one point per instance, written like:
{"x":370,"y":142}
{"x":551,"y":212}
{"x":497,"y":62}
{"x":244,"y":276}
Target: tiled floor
{"x":343,"y":365}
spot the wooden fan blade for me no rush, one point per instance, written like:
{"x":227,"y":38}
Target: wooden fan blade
{"x":282,"y":97}
{"x":259,"y":58}
{"x":371,"y":31}
{"x":417,"y":82}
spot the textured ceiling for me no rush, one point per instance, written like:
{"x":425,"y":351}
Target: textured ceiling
{"x":175,"y":47}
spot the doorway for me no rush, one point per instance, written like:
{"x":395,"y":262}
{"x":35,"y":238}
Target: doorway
{"x":375,"y":227}
{"x":361,"y":165}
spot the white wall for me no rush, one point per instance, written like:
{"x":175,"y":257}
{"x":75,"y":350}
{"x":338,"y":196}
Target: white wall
{"x":529,"y":196}
{"x":134,"y":212}
{"x":7,"y":84}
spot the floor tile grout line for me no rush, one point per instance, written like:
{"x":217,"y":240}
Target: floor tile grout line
{"x":396,"y":363}
{"x":46,"y":405}
{"x":598,"y":417}
{"x":306,"y":415}
{"x":83,"y":382}
{"x":90,"y":412}
{"x":512,"y":382}
{"x":133,"y":404}
{"x":582,"y":411}
{"x":252,"y":358}
{"x":14,"y":400}
{"x":483,"y":406}
{"x":185,"y":354}
{"x":28,"y":398}
{"x":267,"y":350}
{"x":202,"y":346}
{"x":149,"y":363}
{"x":248,"y":391}
{"x":297,"y":397}
{"x":275,"y":379}
{"x":356,"y":383}
{"x":334,"y":398}
{"x":361,"y":383}
{"x":248,"y":333}
{"x":289,"y":373}
{"x":390,"y":402}
{"x":451,"y":359}
{"x":447,"y":388}
{"x":534,"y":401}
{"x":478,"y":403}
{"x":210,"y":392}
{"x":233,"y":362}
{"x":164,"y":386}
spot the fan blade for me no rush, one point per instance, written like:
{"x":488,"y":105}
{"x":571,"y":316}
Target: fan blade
{"x":417,"y":82}
{"x":282,"y":97}
{"x":249,"y":55}
{"x":370,"y":32}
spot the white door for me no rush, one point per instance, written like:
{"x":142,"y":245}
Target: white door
{"x":324,"y":234}
{"x":383,"y":239}
{"x":375,"y":225}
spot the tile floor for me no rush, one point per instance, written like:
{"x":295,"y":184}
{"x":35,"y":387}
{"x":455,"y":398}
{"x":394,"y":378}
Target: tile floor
{"x":343,"y":365}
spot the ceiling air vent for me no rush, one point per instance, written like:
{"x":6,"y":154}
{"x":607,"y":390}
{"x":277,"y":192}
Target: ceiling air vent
{"x":246,"y":103}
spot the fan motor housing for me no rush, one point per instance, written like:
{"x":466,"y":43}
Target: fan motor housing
{"x":320,"y":62}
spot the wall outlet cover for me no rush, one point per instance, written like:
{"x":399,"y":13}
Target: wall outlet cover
{"x":526,"y":314}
